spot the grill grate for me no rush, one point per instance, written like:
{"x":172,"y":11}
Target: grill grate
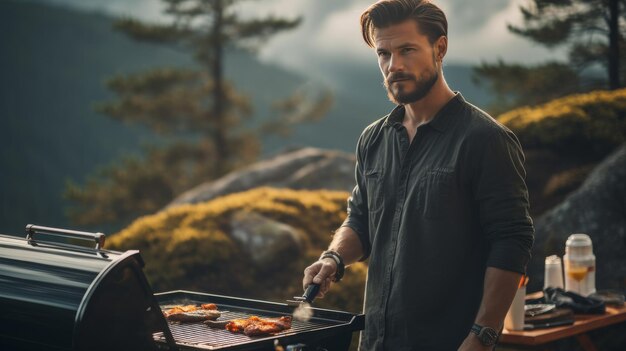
{"x":201,"y":336}
{"x":328,"y":328}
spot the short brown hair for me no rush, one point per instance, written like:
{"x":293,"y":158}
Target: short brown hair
{"x":430,"y":19}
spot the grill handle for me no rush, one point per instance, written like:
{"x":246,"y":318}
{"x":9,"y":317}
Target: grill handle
{"x":97,"y":238}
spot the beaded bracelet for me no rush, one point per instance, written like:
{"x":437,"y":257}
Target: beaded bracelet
{"x":338,"y":260}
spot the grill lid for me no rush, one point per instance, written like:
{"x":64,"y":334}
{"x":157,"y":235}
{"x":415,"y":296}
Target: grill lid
{"x":55,"y":294}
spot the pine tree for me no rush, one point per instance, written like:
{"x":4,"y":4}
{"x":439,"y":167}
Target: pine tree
{"x":589,"y":29}
{"x":198,"y":112}
{"x":516,"y":84}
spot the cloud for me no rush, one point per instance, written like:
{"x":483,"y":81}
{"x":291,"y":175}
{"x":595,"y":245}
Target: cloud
{"x":340,"y":33}
{"x":328,"y":37}
{"x":490,"y":39}
{"x":330,"y":34}
{"x":477,"y":32}
{"x":470,"y":15}
{"x":288,"y":8}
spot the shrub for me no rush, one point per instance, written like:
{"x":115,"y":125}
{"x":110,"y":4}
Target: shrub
{"x":583,"y":125}
{"x":191,"y":247}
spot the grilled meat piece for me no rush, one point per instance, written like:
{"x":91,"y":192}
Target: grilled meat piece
{"x":238,"y":325}
{"x":192,"y":313}
{"x":194,"y":316}
{"x":255,"y":326}
{"x":180,"y":309}
{"x":268,"y":326}
{"x":262,"y":329}
{"x":208,"y":306}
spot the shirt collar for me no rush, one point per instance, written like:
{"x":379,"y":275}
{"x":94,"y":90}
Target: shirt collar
{"x":440,"y":121}
{"x":395,"y":117}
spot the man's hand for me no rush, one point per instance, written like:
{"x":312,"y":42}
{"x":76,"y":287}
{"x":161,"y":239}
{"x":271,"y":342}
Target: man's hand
{"x":346,"y":243}
{"x":320,"y":272}
{"x":471,"y":343}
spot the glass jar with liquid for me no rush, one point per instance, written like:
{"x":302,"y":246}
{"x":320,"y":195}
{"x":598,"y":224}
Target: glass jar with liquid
{"x":580,"y":265}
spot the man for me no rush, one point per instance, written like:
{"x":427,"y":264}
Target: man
{"x":440,"y":206}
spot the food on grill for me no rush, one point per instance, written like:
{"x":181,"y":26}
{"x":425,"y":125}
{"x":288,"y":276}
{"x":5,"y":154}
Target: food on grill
{"x":238,"y":325}
{"x":192,"y":313}
{"x":194,"y":316}
{"x":180,"y":309}
{"x":217,"y":324}
{"x":255,"y":326}
{"x":266,"y":328}
{"x":208,"y":306}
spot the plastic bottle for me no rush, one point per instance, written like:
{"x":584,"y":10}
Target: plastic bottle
{"x":580,"y":265}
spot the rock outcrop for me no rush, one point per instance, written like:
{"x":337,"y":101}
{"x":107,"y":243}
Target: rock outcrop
{"x":307,"y":168}
{"x":597,"y":208}
{"x":265,"y":239}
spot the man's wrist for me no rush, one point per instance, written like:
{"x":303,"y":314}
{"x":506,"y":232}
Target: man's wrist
{"x":338,"y":261}
{"x":488,"y":336}
{"x":472,"y":343}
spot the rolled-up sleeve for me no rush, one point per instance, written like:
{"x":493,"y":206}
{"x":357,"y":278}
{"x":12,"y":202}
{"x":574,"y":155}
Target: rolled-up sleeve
{"x":357,"y":218}
{"x":502,"y":198}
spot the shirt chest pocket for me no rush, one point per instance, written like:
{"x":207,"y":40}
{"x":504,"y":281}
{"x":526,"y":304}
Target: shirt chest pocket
{"x":375,"y":189}
{"x":435,"y":192}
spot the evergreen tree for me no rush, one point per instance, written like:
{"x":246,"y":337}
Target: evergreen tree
{"x":516,"y":84}
{"x":592,"y":32}
{"x":198,"y":112}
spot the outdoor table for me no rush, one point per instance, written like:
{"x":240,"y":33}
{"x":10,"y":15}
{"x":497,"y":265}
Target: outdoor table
{"x":583,"y":323}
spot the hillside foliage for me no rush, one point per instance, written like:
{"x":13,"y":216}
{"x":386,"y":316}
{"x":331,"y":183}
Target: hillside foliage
{"x":586,"y":126}
{"x":192,"y":246}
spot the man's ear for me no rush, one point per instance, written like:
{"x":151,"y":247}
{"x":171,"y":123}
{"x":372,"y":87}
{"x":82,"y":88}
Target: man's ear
{"x":441,"y":47}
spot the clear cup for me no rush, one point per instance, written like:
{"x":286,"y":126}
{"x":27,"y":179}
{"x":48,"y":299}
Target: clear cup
{"x":553,"y":273}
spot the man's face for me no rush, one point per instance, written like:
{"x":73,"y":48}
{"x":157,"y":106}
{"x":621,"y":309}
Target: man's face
{"x":407,"y":61}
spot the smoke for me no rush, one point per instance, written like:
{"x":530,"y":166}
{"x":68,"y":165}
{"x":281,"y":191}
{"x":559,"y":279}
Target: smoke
{"x":303,"y":313}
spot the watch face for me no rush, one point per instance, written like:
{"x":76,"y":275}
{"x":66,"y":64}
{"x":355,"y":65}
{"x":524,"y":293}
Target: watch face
{"x":488,"y":336}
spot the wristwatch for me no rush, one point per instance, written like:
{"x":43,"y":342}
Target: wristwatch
{"x":487,"y":336}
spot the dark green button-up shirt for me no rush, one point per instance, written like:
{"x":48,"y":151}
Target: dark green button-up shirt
{"x":431,"y":216}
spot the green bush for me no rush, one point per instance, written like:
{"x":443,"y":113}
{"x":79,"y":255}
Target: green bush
{"x":583,"y":125}
{"x":190,"y":246}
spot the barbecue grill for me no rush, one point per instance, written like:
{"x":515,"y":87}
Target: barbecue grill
{"x":58,"y":295}
{"x":327,"y":329}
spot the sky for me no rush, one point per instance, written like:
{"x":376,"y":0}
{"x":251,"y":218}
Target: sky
{"x":330,"y":34}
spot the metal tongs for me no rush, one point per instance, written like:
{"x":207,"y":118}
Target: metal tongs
{"x":309,"y":295}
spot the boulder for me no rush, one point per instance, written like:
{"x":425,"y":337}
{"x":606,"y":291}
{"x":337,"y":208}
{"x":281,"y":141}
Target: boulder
{"x":265,"y":239}
{"x":597,"y":208}
{"x":306,"y":168}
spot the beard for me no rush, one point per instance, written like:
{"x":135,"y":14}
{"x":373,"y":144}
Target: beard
{"x":422,"y":86}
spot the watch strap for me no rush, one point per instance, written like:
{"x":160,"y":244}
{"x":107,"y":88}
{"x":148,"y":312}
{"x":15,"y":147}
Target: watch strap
{"x":487,"y":336}
{"x":476,"y":329}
